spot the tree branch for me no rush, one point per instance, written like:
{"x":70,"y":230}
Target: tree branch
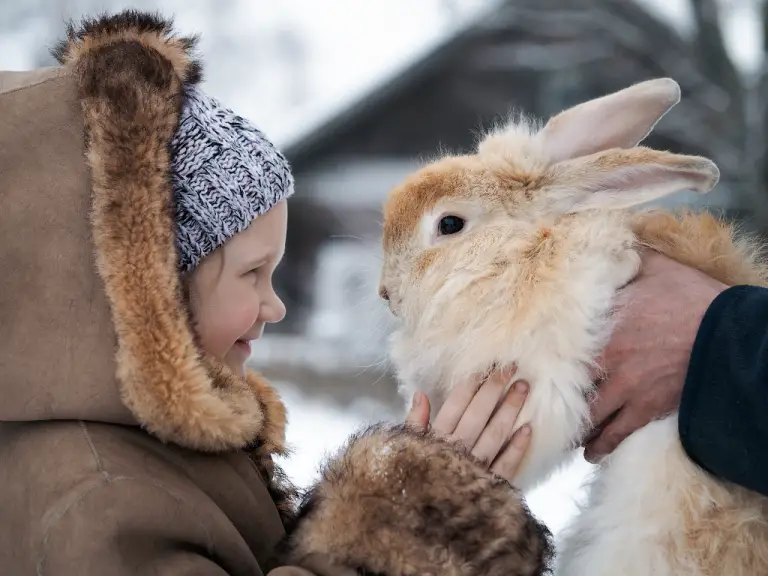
{"x":713,"y":59}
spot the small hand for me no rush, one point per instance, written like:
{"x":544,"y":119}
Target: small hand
{"x":470,"y":416}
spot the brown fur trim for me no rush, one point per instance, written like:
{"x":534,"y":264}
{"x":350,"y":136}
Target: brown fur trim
{"x":402,"y":502}
{"x":271,"y":442}
{"x":275,"y":419}
{"x":705,"y":242}
{"x":149,"y":30}
{"x":130,"y":72}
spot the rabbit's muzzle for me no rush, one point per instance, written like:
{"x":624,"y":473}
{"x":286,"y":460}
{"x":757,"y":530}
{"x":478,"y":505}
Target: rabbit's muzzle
{"x":391,"y":299}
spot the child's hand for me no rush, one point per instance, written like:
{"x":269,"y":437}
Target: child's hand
{"x":468,"y":416}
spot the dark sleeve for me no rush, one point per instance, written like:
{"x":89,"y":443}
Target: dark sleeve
{"x":724,"y":407}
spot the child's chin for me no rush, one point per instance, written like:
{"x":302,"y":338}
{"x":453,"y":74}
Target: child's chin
{"x":236,"y":366}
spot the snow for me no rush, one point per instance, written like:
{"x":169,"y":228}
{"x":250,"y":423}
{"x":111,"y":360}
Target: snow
{"x":316,"y":430}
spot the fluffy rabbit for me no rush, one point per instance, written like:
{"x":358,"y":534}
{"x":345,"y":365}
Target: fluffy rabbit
{"x":515,"y":254}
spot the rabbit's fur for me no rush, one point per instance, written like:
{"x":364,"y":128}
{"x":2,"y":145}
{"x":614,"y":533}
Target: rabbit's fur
{"x":531,"y":278}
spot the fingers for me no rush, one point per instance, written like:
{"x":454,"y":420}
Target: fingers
{"x":455,"y":405}
{"x":611,"y":436}
{"x":597,"y":373}
{"x":481,"y":408}
{"x":473,"y":415}
{"x":609,"y":399}
{"x":461,"y":397}
{"x":502,"y":424}
{"x":418,"y":416}
{"x":508,"y":462}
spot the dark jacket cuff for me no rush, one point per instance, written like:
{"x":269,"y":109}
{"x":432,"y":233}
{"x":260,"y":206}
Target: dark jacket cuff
{"x":722,"y":421}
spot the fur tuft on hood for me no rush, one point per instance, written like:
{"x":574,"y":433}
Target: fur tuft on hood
{"x":148,"y":29}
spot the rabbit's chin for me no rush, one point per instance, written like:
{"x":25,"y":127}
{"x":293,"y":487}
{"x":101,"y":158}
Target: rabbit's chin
{"x":556,"y":407}
{"x":554,"y":351}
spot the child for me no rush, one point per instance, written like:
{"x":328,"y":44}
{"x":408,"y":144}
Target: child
{"x":139,"y":228}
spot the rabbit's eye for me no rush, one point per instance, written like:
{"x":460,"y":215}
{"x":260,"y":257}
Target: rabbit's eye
{"x":450,"y":225}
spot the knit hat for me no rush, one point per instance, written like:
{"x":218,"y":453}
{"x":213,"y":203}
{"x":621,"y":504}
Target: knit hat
{"x":225,"y":174}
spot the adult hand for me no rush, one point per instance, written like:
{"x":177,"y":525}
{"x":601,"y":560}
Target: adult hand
{"x":645,"y":363}
{"x":470,"y":416}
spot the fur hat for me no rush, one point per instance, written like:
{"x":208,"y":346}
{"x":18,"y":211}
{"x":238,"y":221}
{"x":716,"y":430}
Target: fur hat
{"x":225,"y":174}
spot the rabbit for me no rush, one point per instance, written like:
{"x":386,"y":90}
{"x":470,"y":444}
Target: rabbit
{"x":515,"y":254}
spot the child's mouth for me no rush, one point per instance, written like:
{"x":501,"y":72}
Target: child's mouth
{"x":243,"y":345}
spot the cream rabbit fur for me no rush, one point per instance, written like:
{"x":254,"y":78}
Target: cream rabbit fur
{"x":545,"y":240}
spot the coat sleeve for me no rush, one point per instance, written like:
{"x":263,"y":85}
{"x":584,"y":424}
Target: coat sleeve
{"x":127,"y":526}
{"x":723,"y":420}
{"x":397,"y":501}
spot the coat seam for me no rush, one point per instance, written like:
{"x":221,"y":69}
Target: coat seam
{"x":94,"y":452}
{"x":108,"y":480}
{"x":27,"y":86}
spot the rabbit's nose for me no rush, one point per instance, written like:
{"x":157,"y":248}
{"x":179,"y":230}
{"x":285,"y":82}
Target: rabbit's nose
{"x":383,"y":294}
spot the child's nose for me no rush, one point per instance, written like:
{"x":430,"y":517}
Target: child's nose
{"x":274,"y":310}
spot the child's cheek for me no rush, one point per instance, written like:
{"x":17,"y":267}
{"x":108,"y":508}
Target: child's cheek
{"x":248,"y":315}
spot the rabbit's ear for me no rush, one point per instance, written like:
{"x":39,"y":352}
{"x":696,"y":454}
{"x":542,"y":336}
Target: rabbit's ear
{"x":619,"y":120}
{"x":619,"y":179}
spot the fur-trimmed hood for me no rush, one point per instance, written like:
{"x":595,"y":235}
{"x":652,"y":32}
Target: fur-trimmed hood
{"x":95,"y":323}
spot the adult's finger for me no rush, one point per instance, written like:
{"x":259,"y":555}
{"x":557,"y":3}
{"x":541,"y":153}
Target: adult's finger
{"x":481,"y":408}
{"x":611,"y":395}
{"x":611,"y":436}
{"x":598,"y":364}
{"x":508,"y":462}
{"x":502,"y":424}
{"x":418,"y":415}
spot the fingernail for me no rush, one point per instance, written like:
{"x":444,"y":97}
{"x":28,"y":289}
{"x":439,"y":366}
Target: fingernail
{"x":525,"y":430}
{"x":521,"y":387}
{"x":416,"y":400}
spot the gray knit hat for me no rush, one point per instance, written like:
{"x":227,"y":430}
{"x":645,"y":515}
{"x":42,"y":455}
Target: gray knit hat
{"x":225,"y":174}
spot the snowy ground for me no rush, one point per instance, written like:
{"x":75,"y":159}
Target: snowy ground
{"x":317,"y":429}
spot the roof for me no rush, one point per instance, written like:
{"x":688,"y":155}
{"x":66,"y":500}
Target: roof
{"x":305,"y":145}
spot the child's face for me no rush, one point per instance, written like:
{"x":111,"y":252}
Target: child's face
{"x":231,"y":294}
